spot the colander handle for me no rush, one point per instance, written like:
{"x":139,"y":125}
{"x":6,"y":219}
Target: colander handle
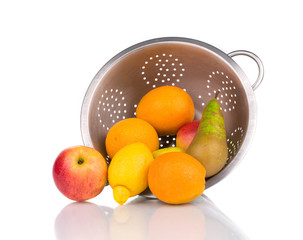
{"x":256,"y":59}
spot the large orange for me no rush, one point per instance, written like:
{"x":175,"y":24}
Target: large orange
{"x":176,"y":178}
{"x":166,"y":108}
{"x":129,"y":131}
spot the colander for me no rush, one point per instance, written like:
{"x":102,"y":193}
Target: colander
{"x":197,"y":67}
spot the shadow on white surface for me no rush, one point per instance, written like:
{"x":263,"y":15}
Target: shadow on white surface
{"x":145,"y":218}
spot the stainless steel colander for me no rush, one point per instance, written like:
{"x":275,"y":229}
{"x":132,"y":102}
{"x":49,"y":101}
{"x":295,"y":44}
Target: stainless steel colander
{"x":199,"y":68}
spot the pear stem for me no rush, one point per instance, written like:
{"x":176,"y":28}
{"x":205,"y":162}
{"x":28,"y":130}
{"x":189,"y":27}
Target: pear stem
{"x":217,"y":93}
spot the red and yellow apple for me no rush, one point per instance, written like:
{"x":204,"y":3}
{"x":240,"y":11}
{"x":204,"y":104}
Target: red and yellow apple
{"x":80,"y":173}
{"x":186,"y":134}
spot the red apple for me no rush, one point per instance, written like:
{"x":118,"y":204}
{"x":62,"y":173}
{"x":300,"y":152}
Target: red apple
{"x":80,"y":173}
{"x":186,"y":134}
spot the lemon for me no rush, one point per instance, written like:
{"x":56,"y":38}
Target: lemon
{"x":128,"y":170}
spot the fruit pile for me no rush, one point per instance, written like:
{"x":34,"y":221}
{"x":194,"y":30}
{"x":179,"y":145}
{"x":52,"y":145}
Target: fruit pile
{"x":175,"y":175}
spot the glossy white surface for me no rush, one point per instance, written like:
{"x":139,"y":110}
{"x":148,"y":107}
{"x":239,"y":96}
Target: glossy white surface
{"x":50,"y":52}
{"x":144,"y":218}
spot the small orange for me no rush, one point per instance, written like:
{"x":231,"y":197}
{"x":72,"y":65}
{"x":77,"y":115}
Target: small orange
{"x":176,"y":178}
{"x":129,"y":131}
{"x":166,"y":108}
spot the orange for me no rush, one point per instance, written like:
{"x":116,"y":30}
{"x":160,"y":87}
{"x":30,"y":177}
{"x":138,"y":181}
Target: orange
{"x":176,"y":178}
{"x":166,"y":108}
{"x":129,"y":131}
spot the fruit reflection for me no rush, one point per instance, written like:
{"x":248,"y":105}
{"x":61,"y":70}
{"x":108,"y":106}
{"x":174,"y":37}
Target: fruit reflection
{"x":177,"y":222}
{"x":128,"y":222}
{"x":144,"y":218}
{"x":152,"y":219}
{"x":81,"y":220}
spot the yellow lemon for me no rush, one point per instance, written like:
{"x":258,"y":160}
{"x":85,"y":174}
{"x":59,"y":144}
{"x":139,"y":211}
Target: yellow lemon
{"x":128,"y":170}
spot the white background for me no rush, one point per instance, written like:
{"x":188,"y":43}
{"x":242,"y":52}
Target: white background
{"x":51,"y":50}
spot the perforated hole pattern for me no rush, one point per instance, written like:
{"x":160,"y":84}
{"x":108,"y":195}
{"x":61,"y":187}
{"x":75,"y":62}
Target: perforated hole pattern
{"x":169,"y":70}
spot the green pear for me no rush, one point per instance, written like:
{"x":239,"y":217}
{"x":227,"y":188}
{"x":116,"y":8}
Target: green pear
{"x":209,"y":144}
